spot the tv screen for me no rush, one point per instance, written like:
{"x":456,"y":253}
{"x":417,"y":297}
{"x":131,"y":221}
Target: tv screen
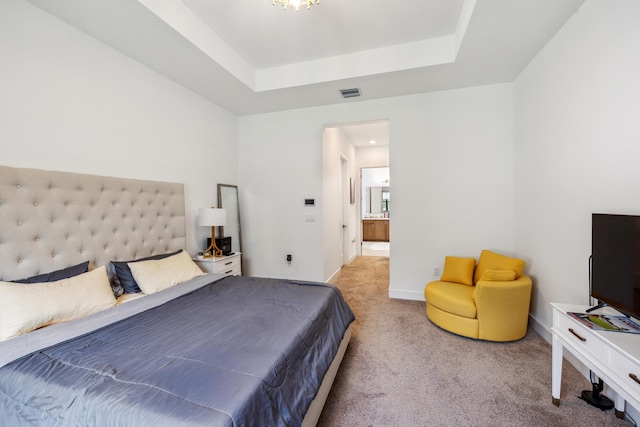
{"x":615,"y":263}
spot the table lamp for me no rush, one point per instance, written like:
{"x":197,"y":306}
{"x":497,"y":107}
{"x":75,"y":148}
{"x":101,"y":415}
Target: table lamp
{"x":212,"y":217}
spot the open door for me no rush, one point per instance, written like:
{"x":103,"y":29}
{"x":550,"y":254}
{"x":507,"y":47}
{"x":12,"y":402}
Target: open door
{"x":345,"y":200}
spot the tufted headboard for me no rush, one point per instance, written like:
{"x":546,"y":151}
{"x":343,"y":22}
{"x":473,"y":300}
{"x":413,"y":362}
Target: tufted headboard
{"x":52,"y":220}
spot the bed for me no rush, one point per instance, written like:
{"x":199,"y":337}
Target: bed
{"x":190,"y":349}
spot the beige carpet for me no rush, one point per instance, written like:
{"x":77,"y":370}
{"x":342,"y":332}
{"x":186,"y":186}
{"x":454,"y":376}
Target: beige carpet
{"x":401,"y":370}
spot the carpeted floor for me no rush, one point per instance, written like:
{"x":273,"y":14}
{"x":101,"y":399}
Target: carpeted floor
{"x":401,"y":370}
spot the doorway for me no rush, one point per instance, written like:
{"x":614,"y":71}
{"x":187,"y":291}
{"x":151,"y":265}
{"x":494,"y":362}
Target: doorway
{"x":346,"y":148}
{"x":344,"y":209}
{"x":375,"y":210}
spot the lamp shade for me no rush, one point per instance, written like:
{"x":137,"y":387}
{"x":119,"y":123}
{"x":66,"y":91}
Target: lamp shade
{"x":212,"y":217}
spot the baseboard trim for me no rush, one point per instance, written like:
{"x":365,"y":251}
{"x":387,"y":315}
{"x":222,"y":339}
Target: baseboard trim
{"x":334,"y":276}
{"x":543,"y":330}
{"x":410,"y":295}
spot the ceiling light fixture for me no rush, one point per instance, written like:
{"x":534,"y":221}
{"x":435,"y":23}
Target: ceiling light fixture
{"x":372,"y":142}
{"x":295,"y":4}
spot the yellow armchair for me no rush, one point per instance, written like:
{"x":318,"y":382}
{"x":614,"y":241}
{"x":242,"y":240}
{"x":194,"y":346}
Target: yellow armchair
{"x":495,"y":308}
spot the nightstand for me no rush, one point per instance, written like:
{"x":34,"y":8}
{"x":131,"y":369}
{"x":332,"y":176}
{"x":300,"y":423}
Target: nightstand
{"x":230,"y":264}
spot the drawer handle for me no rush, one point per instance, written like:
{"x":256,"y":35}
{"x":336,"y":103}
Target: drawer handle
{"x":635,"y":378}
{"x":576,"y":335}
{"x":227,"y":272}
{"x":227,"y":263}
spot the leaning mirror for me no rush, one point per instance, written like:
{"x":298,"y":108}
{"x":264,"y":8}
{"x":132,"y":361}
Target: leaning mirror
{"x":228,"y":199}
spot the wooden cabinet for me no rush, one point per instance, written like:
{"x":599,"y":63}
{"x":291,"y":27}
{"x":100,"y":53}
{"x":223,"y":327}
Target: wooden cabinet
{"x":375,"y":230}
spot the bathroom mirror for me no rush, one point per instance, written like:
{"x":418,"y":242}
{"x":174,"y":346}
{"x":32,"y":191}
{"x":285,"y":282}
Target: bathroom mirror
{"x":376,"y":201}
{"x":228,"y":199}
{"x":375,"y":192}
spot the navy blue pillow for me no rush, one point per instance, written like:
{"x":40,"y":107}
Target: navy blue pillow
{"x":125,"y":277}
{"x":54,"y":276}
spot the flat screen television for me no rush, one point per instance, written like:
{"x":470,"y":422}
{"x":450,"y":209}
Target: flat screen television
{"x":615,"y":261}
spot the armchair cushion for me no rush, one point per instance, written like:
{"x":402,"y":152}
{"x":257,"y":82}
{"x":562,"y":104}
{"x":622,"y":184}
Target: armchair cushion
{"x":454,"y":298}
{"x":493,"y":261}
{"x":499,"y":275}
{"x":458,"y":270}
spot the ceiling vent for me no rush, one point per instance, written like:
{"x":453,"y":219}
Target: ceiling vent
{"x":350,"y":93}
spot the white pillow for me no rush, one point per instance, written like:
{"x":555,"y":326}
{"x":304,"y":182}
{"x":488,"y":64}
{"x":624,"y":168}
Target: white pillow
{"x":26,"y":307}
{"x":155,"y":275}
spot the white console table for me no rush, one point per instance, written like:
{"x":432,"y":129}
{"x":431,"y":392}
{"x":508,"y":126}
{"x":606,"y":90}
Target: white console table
{"x":612,"y":356}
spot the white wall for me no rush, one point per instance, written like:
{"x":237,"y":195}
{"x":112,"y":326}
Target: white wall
{"x":372,"y":157}
{"x":71,"y":103}
{"x":577,"y":150}
{"x":451,"y":161}
{"x":280,"y":167}
{"x":335,"y":197}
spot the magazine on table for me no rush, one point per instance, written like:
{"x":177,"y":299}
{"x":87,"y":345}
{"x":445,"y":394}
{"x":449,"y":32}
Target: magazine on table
{"x":604,"y":322}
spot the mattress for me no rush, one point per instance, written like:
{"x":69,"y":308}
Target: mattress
{"x":238,"y":351}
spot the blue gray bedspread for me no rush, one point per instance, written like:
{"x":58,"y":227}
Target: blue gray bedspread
{"x":241,"y":351}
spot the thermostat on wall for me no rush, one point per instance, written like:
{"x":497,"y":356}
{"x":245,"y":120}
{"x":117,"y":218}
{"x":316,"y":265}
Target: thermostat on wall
{"x":309,"y":202}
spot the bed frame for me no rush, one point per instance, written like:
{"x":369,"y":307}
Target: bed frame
{"x":52,"y":220}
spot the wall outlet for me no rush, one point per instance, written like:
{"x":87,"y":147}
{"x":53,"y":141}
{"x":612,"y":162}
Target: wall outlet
{"x":436,"y":271}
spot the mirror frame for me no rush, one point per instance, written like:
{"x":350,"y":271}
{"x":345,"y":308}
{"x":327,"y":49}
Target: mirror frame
{"x":230,"y":211}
